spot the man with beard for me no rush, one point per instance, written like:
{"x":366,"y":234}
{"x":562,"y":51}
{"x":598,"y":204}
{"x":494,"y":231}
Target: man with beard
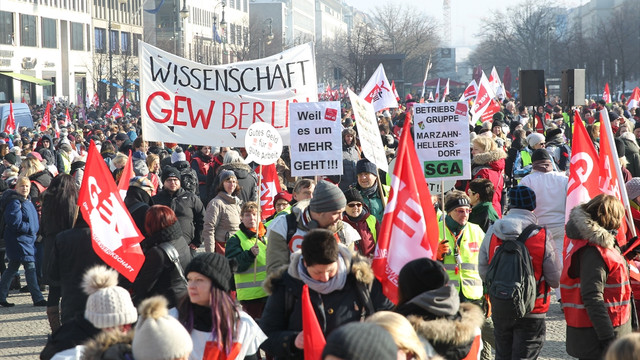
{"x":323,"y":211}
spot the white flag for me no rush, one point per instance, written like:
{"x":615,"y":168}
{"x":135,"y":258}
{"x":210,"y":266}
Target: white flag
{"x":496,"y":84}
{"x":446,"y":91}
{"x":378,"y":91}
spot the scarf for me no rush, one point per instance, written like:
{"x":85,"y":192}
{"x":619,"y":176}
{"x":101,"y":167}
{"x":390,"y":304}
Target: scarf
{"x":544,"y":166}
{"x":335,"y":283}
{"x":251,"y":232}
{"x":370,"y":191}
{"x":453,"y":225}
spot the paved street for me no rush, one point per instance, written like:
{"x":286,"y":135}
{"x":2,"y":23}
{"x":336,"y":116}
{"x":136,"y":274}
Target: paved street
{"x":24,"y":329}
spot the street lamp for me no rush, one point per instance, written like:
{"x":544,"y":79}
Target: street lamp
{"x":183,"y":14}
{"x":549,"y":30}
{"x":110,"y":45}
{"x":223,"y":27}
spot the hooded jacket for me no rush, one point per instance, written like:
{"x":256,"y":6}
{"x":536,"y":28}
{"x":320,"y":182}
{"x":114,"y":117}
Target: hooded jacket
{"x":350,"y":157}
{"x":221,"y":220}
{"x":188,"y":209}
{"x":490,"y":165}
{"x":136,"y":195}
{"x":247,"y":180}
{"x":438,"y":317}
{"x":21,"y":226}
{"x":339,"y":307}
{"x":112,"y":345}
{"x":588,"y":265}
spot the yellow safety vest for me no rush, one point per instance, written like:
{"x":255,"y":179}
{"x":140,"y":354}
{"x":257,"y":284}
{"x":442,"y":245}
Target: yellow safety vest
{"x":526,"y":157}
{"x":248,"y":287}
{"x":371,"y":224}
{"x":466,"y":273}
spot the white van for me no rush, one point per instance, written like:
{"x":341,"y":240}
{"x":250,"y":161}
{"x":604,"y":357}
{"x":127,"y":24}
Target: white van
{"x":20,"y":111}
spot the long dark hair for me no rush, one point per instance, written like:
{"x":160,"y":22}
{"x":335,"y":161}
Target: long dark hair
{"x":59,"y":205}
{"x":225,"y":318}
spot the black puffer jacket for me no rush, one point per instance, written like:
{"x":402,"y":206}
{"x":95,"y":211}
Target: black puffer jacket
{"x":337,"y":308}
{"x":158,"y":275}
{"x":135,"y":196}
{"x":188,"y":209}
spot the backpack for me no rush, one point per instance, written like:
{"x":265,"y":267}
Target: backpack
{"x":565,"y":157}
{"x":510,"y":280}
{"x":188,"y":177}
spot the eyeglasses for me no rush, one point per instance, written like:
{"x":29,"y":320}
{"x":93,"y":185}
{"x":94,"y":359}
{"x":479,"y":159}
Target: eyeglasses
{"x":354,"y":205}
{"x":463,"y":211}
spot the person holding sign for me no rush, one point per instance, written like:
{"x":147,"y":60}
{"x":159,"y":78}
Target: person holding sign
{"x":368,"y":187}
{"x":248,"y":247}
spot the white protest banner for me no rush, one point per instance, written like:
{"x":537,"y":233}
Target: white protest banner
{"x":368,"y":131}
{"x":436,"y":189}
{"x":378,"y":91}
{"x":263,"y":144}
{"x":316,"y":139}
{"x":187,"y":102}
{"x":441,"y":132}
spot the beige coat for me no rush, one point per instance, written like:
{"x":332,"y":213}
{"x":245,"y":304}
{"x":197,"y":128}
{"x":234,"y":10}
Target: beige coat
{"x":221,"y":220}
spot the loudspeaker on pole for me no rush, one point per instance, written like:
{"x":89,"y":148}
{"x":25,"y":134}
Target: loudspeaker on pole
{"x":572,"y":89}
{"x":532,"y":92}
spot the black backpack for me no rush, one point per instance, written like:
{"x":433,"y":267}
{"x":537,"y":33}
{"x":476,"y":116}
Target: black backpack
{"x":510,"y":280}
{"x":188,"y":177}
{"x":565,"y":157}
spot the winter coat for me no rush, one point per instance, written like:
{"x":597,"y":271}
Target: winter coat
{"x":202,"y":177}
{"x":73,"y":255}
{"x":21,"y":226}
{"x":247,"y":180}
{"x":339,"y":307}
{"x":508,"y":229}
{"x":221,"y":220}
{"x":136,"y":195}
{"x":509,"y":164}
{"x":632,"y":153}
{"x":112,"y":345}
{"x":43,"y":177}
{"x":551,"y":195}
{"x":159,"y":275}
{"x":279,"y":248}
{"x":367,"y":243}
{"x":588,"y":265}
{"x":68,"y":336}
{"x":483,"y":215}
{"x":188,"y":209}
{"x":490,"y":165}
{"x":350,"y":157}
{"x":438,"y":317}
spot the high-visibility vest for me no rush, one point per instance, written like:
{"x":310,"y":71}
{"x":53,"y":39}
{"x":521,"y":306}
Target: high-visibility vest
{"x":525,"y":155}
{"x":464,"y":276}
{"x":371,"y":224}
{"x":248,"y":283}
{"x":536,"y":246}
{"x":617,"y":291}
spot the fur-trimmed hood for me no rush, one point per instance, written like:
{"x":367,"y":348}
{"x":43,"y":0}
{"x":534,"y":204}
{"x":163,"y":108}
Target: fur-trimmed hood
{"x":581,"y":226}
{"x":109,"y":345}
{"x":493,"y":158}
{"x":456,"y":332}
{"x":359,"y":267}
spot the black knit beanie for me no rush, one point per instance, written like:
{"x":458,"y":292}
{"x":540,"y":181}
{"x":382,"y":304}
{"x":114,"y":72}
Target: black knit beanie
{"x":360,"y":341}
{"x":421,"y":275}
{"x":214,"y":266}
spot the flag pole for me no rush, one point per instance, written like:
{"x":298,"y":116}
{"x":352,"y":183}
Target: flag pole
{"x":424,"y":82}
{"x":442,"y":202}
{"x":382,"y":197}
{"x":255,"y":261}
{"x":616,"y":163}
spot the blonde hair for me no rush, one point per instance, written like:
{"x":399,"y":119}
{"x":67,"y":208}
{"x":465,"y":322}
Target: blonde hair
{"x":606,"y":210}
{"x":401,"y":331}
{"x":30,"y":166}
{"x":625,"y":348}
{"x":485,"y":143}
{"x":151,"y":158}
{"x":120,"y":160}
{"x":23,"y":180}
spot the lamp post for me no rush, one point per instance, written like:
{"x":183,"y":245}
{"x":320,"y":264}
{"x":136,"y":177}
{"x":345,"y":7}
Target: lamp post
{"x":223,"y":27}
{"x":110,"y":45}
{"x":549,"y":30}
{"x":183,"y":14}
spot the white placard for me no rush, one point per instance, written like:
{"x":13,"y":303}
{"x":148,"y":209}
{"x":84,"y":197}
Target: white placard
{"x":263,"y":144}
{"x":316,"y":139}
{"x":368,"y":131}
{"x":190,"y":103}
{"x":441,"y":136}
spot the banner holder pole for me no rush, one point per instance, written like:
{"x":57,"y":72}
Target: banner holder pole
{"x":443,"y":213}
{"x":255,"y":261}
{"x":382,"y":197}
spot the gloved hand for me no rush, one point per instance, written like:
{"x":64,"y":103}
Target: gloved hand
{"x":630,"y":244}
{"x":443,"y":249}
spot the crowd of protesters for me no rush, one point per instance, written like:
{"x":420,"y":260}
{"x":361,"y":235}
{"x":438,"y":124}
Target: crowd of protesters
{"x":220,"y":282}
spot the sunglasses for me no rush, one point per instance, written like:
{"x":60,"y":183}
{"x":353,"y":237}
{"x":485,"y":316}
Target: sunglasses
{"x":463,"y":211}
{"x":354,"y":205}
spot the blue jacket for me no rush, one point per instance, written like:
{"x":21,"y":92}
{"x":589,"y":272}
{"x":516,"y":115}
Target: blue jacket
{"x":21,"y":226}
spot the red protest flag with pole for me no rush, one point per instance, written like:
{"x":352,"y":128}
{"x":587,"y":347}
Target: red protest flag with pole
{"x":314,"y":340}
{"x":606,"y":95}
{"x":67,"y":118}
{"x":127,"y":174}
{"x":10,"y":125}
{"x":115,"y":237}
{"x":46,"y":118}
{"x":409,"y":227}
{"x":269,"y":188}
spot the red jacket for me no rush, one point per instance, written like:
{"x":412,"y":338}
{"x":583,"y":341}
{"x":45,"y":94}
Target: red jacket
{"x":490,"y":165}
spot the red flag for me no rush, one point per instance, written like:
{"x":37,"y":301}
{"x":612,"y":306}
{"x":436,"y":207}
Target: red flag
{"x":115,"y":237}
{"x":96,"y":100}
{"x":395,"y":92}
{"x":46,"y":118}
{"x":314,"y":340}
{"x":445,"y":93}
{"x":56,"y":127}
{"x":67,"y":118}
{"x":438,"y":91}
{"x":506,"y":80}
{"x":127,"y":174}
{"x":634,"y":99}
{"x":124,"y":103}
{"x":606,"y":96}
{"x":584,"y":173}
{"x":115,"y":111}
{"x":10,"y":125}
{"x":269,"y":187}
{"x":409,"y":227}
{"x":611,"y":181}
